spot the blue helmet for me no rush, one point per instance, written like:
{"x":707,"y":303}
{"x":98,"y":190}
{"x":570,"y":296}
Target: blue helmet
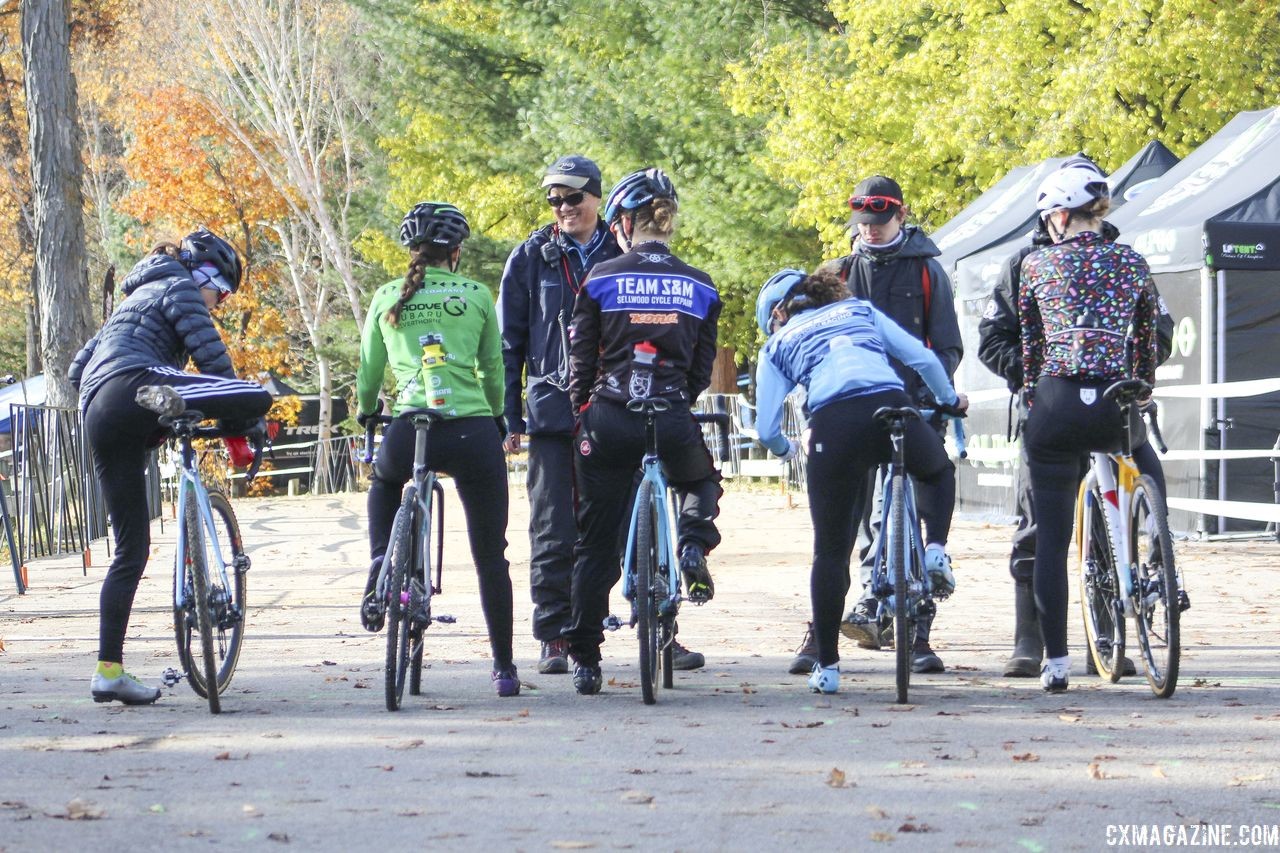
{"x":774,"y":291}
{"x":636,"y":190}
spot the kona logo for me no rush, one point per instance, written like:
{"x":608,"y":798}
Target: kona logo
{"x":1243,"y":248}
{"x":656,"y":319}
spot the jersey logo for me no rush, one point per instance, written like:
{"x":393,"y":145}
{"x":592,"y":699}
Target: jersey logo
{"x":670,"y":319}
{"x":655,"y":258}
{"x":585,"y":448}
{"x":1088,"y":396}
{"x":640,"y":385}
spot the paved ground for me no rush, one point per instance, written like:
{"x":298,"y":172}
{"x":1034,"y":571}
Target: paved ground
{"x":738,"y":756}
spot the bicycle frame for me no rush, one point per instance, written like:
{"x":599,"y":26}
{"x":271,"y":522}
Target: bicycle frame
{"x":191,"y":487}
{"x":664,"y":531}
{"x":1115,"y":475}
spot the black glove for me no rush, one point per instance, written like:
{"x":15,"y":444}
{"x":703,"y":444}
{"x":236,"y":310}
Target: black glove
{"x":248,"y":427}
{"x":949,"y":410}
{"x":363,"y":419}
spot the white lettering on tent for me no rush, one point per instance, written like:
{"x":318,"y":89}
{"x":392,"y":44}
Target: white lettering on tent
{"x":1016,"y":194}
{"x":1156,"y":244}
{"x":1229,"y":158}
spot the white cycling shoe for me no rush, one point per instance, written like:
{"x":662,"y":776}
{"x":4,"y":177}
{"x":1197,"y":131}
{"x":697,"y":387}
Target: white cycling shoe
{"x":1053,"y":677}
{"x":937,"y":565}
{"x":824,"y":679}
{"x":124,"y":688}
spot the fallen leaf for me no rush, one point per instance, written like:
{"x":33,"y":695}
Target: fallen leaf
{"x":879,"y":725}
{"x":1095,"y":771}
{"x":883,"y":836}
{"x":523,"y":713}
{"x":78,"y":809}
{"x":1026,"y":756}
{"x":409,"y":744}
{"x":902,"y":708}
{"x":915,"y":827}
{"x":812,"y":725}
{"x":836,"y":778}
{"x":876,"y":813}
{"x":638,"y":798}
{"x":572,"y":845}
{"x":282,"y":837}
{"x":483,"y":774}
{"x":222,"y":756}
{"x":1158,"y":772}
{"x":1,"y":644}
{"x":1242,"y":780}
{"x":250,"y":810}
{"x":156,"y":809}
{"x":1069,"y":718}
{"x":329,"y":663}
{"x":387,"y":768}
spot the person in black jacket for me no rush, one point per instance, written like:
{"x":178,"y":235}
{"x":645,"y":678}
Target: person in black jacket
{"x":1000,"y":350}
{"x":894,"y":266}
{"x":644,"y":326}
{"x":139,"y":354}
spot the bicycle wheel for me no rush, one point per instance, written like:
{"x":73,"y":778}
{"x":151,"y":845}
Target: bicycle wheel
{"x":1155,"y":587}
{"x":400,"y":551}
{"x":899,"y":543}
{"x":644,"y":562}
{"x":421,"y":594}
{"x":1099,"y":587}
{"x":197,"y":616}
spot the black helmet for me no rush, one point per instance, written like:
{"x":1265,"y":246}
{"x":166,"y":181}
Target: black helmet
{"x":203,"y":246}
{"x":435,"y":222}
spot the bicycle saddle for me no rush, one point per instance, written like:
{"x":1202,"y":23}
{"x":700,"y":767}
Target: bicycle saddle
{"x":417,"y":415}
{"x":887,"y":415}
{"x":1126,"y":391}
{"x":649,"y":405}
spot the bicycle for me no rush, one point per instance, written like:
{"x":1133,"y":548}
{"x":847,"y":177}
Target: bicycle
{"x":651,"y":579}
{"x":1127,"y":566}
{"x":402,"y":593}
{"x":903,"y":591}
{"x":209,"y":585}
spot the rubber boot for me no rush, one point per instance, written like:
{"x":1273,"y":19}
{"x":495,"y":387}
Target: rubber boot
{"x":923,"y":657}
{"x":1028,"y":645}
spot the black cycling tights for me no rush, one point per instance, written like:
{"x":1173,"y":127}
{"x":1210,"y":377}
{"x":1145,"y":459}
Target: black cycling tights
{"x":470,"y":451}
{"x":1068,"y":420}
{"x":844,"y":444}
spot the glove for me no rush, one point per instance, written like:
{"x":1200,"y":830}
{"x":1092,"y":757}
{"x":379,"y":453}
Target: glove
{"x":793,"y":449}
{"x":948,"y":410}
{"x":244,"y":426}
{"x":363,"y":419}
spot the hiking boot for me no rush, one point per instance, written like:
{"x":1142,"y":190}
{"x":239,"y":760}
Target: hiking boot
{"x":683,"y":659}
{"x":824,"y":679}
{"x":123,"y":688}
{"x":1028,"y":647}
{"x":1127,"y":666}
{"x":807,"y":655}
{"x":937,"y":565}
{"x":860,"y":625}
{"x":1053,"y":678}
{"x":697,"y":580}
{"x":372,"y":612}
{"x":587,"y":679}
{"x":555,"y":658}
{"x":923,"y":658}
{"x":506,"y":681}
{"x":161,"y":399}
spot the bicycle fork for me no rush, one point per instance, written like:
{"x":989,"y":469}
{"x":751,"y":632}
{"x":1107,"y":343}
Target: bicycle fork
{"x":1115,"y":506}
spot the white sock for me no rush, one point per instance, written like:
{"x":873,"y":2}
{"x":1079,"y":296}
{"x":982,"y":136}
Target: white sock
{"x":1060,"y":666}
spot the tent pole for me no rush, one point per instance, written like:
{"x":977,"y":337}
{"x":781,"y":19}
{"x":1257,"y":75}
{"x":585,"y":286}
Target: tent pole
{"x":1220,"y":345}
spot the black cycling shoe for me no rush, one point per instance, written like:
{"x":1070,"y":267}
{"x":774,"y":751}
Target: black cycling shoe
{"x":587,"y":680}
{"x":697,"y":580}
{"x":372,"y":614}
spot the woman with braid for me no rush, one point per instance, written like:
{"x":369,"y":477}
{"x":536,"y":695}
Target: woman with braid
{"x":438,"y":332}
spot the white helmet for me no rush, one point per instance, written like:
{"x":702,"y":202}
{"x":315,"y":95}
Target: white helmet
{"x":1068,"y":188}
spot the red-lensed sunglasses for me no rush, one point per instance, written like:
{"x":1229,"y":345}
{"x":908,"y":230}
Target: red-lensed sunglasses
{"x":873,"y":203}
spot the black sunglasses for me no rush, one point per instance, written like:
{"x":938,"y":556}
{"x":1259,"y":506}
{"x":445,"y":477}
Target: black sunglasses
{"x":573,"y":199}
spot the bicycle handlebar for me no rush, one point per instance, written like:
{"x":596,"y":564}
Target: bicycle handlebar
{"x":371,"y":425}
{"x":721,"y":421}
{"x":957,"y":425}
{"x":1152,"y":413}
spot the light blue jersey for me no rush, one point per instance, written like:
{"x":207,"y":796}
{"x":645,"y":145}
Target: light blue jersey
{"x":837,"y":351}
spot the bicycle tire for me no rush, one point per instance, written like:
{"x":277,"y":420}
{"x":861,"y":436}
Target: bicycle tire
{"x":899,"y":542}
{"x":400,"y":551}
{"x":1099,"y":586}
{"x":1155,"y":587}
{"x":229,"y":605}
{"x":644,"y":563}
{"x":202,"y":670}
{"x":418,"y":634}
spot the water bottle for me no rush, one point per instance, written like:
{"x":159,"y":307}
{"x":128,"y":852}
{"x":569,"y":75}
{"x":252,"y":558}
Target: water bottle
{"x":239,"y":451}
{"x":644,"y":356}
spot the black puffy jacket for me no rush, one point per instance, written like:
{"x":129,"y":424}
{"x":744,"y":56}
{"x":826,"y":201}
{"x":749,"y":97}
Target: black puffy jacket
{"x":161,"y":322}
{"x":535,"y":304}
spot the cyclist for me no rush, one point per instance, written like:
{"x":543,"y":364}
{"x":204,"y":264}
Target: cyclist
{"x":894,"y":266}
{"x":139,"y":352}
{"x":1088,"y":311}
{"x":1000,"y":349}
{"x":839,"y":348}
{"x":438,"y":332}
{"x":644,"y":326}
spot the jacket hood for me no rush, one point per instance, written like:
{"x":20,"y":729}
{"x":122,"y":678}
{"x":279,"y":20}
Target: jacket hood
{"x":152,"y":268}
{"x":915,"y":244}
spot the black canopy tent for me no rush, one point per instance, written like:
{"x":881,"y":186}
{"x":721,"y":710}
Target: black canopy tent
{"x":987,"y":480}
{"x":1210,"y":228}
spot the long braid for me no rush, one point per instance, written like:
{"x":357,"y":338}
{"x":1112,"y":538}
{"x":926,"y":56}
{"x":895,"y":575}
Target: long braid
{"x":412,"y":281}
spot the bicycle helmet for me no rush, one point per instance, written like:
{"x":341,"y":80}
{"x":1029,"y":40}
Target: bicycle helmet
{"x":773,"y":292}
{"x":434,"y":222}
{"x":203,"y":246}
{"x":636,"y":190}
{"x":1071,"y":187}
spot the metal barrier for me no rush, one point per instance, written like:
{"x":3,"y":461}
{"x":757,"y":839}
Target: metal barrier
{"x":746,"y":457}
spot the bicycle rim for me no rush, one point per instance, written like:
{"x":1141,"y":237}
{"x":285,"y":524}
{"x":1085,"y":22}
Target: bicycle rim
{"x":203,"y":670}
{"x":1156,"y":588}
{"x":400,"y":553}
{"x":231,"y":613}
{"x":898,"y":543}
{"x":1099,"y":588}
{"x":647,"y":623}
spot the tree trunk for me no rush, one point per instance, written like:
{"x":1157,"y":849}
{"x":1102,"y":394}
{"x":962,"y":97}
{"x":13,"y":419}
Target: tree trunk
{"x":58,"y":210}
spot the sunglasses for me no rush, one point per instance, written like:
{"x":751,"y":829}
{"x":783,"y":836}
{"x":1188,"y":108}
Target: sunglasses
{"x":573,"y":199}
{"x":873,"y":203}
{"x":222,"y":294}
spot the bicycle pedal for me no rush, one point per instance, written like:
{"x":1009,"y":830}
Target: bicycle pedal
{"x":1184,"y":601}
{"x":171,"y":676}
{"x":612,"y":623}
{"x":445,"y":618}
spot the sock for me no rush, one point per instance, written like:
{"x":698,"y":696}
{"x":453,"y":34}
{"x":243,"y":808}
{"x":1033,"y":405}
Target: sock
{"x":1060,"y":666}
{"x":110,"y":670}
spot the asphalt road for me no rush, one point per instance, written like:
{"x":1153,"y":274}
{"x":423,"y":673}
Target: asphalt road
{"x":739,"y":756}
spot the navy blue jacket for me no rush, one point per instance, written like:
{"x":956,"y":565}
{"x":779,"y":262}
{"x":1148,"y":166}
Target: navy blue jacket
{"x":646,"y":295}
{"x":161,"y":322}
{"x":535,"y":304}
